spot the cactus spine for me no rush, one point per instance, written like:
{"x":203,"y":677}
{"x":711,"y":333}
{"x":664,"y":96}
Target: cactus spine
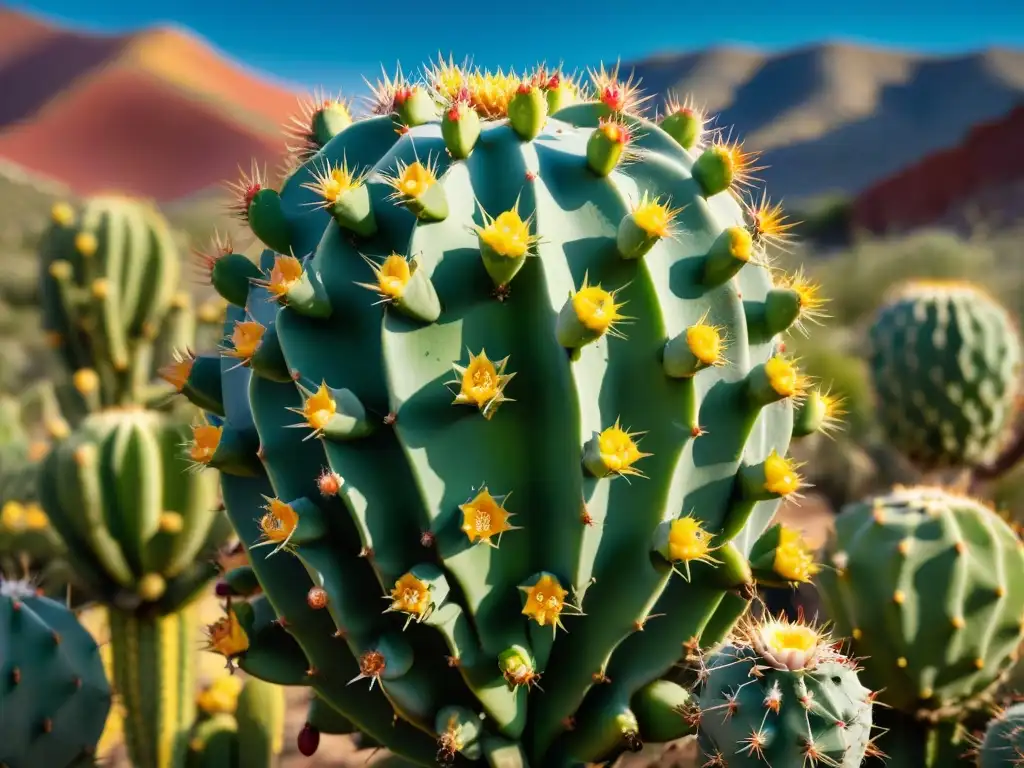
{"x":538,"y":362}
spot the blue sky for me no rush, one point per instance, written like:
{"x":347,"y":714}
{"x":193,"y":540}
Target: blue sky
{"x":318,"y":42}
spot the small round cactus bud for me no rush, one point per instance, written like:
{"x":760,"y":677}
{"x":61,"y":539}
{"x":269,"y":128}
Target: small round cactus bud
{"x":607,"y":146}
{"x":62,"y":214}
{"x":316,"y":598}
{"x":330,"y":483}
{"x":528,"y":111}
{"x":86,"y":381}
{"x":308,"y":740}
{"x":223,"y":589}
{"x":86,"y":243}
{"x":152,"y":587}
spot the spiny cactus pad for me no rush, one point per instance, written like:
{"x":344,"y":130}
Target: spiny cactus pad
{"x":779,"y":693}
{"x":516,"y":384}
{"x":927,"y":583}
{"x":54,"y":695}
{"x":1003,"y":743}
{"x":946,"y":361}
{"x":135,"y":522}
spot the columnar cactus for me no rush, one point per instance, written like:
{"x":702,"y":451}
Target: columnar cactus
{"x":139,"y":531}
{"x":54,"y":695}
{"x":780,"y":693}
{"x":139,"y":527}
{"x":240,"y":725}
{"x":512,"y":369}
{"x":946,"y":360}
{"x":927,"y":584}
{"x":111,"y":303}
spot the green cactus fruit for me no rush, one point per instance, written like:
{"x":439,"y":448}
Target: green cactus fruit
{"x":509,"y":435}
{"x":1003,"y":743}
{"x":136,"y":523}
{"x":779,"y":693}
{"x":54,"y":695}
{"x":946,"y":362}
{"x":685,"y":123}
{"x":322,"y":117}
{"x":925,"y":582}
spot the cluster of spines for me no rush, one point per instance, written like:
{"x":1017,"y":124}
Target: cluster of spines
{"x":505,"y":240}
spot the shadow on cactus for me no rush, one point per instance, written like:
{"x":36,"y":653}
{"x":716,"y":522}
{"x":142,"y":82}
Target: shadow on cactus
{"x":502,"y":413}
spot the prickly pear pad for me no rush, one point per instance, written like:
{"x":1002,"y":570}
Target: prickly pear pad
{"x":529,"y":411}
{"x":54,"y":695}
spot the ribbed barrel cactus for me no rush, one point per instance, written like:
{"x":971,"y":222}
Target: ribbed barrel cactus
{"x":927,"y":584}
{"x":503,"y":412}
{"x":781,"y":693}
{"x":946,"y":360}
{"x":1003,"y":743}
{"x":54,"y":695}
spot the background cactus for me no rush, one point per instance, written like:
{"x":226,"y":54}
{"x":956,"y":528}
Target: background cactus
{"x":140,"y":533}
{"x":240,"y":725}
{"x":780,"y":693}
{"x":1003,"y":743}
{"x":29,"y":546}
{"x":946,"y":360}
{"x":111,"y":302}
{"x":927,"y":584}
{"x":140,"y":529}
{"x":54,"y":694}
{"x":582,"y":497}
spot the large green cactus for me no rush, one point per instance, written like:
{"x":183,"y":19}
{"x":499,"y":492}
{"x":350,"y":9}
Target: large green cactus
{"x":927,"y":584}
{"x":527,"y":386}
{"x":54,"y":695}
{"x":780,"y":693}
{"x":946,"y":361}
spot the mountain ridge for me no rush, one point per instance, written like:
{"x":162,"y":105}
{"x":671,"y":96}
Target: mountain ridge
{"x":163,"y":113}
